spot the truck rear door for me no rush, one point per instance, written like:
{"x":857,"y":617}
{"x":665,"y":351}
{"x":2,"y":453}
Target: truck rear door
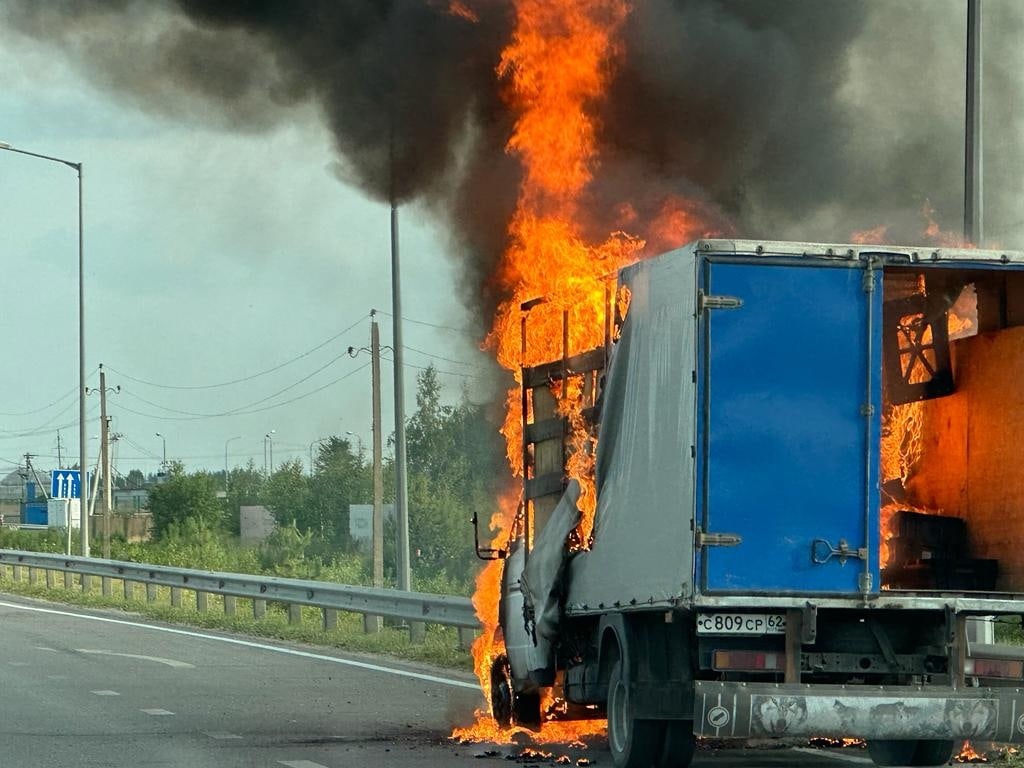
{"x":791,"y":396}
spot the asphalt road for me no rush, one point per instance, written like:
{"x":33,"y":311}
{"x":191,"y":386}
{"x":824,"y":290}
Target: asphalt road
{"x":89,"y":689}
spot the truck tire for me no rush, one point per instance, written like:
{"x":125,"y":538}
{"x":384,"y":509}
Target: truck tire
{"x":633,"y":743}
{"x":679,"y":744}
{"x":923,"y":753}
{"x":933,"y":752}
{"x":892,"y":752}
{"x":508,"y":707}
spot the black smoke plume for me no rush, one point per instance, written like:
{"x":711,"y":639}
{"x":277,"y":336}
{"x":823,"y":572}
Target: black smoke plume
{"x":800,"y":119}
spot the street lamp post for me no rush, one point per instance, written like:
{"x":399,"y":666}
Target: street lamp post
{"x":82,"y":463}
{"x":164,"y":440}
{"x":268,"y":439}
{"x":226,"y":443}
{"x":318,"y":441}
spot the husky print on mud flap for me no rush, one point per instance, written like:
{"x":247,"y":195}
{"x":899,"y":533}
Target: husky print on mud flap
{"x":776,"y":715}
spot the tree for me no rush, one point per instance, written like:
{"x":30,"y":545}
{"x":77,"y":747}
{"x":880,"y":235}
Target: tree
{"x":341,"y":477}
{"x":288,"y":498}
{"x":185,"y":497}
{"x":245,"y":488}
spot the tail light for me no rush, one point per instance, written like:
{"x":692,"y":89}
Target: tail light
{"x":1007,"y":668}
{"x":748,"y":661}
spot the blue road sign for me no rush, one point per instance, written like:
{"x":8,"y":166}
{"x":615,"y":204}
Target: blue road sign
{"x":66,"y":484}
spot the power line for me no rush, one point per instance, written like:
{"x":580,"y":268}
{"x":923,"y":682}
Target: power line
{"x":46,"y":407}
{"x":437,"y":370}
{"x":278,"y":367}
{"x":424,"y":322}
{"x":232,"y":411}
{"x":253,"y":410}
{"x":439,"y":357}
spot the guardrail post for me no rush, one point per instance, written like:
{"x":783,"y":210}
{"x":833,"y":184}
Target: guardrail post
{"x":106,"y":586}
{"x":69,"y":579}
{"x":16,"y":573}
{"x":176,"y":597}
{"x":330,"y":618}
{"x":86,"y":582}
{"x":230,"y":605}
{"x":372,"y":624}
{"x":202,"y":601}
{"x":151,"y":593}
{"x":33,"y":574}
{"x":129,"y":589}
{"x":417,"y":632}
{"x":259,"y":608}
{"x":294,"y":613}
{"x":49,"y":578}
{"x":466,"y":638}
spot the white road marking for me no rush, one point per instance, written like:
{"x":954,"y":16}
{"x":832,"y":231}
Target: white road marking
{"x":301,"y":764}
{"x":221,"y":735}
{"x":44,"y":648}
{"x":158,"y":659}
{"x":19,"y":663}
{"x":106,"y":693}
{"x":56,"y":677}
{"x":258,"y":646}
{"x":833,"y":755}
{"x":157,"y":711}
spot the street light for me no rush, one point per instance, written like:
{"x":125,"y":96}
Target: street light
{"x":226,"y":443}
{"x":359,"y":440}
{"x":82,"y":464}
{"x":164,"y":440}
{"x":267,"y":438}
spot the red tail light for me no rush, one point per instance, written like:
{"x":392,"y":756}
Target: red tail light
{"x":1006,"y":668}
{"x":749,"y":661}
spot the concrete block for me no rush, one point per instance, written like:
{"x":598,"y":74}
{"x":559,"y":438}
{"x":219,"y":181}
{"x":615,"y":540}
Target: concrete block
{"x":230,"y":605}
{"x":176,"y":597}
{"x":259,"y":608}
{"x":294,"y":613}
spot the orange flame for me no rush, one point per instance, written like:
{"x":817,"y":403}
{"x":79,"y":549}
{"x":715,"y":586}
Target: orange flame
{"x":969,"y":755}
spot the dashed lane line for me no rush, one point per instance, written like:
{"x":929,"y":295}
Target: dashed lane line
{"x":157,"y":712}
{"x":156,"y":659}
{"x":221,"y":735}
{"x":455,"y":683}
{"x":106,"y":693}
{"x":301,"y":764}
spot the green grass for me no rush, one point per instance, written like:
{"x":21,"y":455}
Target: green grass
{"x":440,"y":646}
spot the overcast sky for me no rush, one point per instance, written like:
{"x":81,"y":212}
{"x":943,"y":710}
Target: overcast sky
{"x":210,"y":256}
{"x":213,"y":255}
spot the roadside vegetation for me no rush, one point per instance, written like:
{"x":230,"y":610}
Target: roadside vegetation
{"x":456,"y":468}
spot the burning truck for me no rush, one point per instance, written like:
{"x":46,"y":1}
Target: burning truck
{"x":781,"y":499}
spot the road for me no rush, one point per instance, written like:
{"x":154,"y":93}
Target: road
{"x":89,"y":689}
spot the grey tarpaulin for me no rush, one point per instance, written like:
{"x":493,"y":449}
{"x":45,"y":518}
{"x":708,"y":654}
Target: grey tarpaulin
{"x":643,"y":539}
{"x":542,"y":578}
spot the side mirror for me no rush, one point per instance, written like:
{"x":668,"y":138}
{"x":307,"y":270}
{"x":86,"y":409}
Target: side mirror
{"x":484,"y":553}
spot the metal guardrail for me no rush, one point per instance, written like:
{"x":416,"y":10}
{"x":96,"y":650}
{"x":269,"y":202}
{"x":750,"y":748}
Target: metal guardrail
{"x":414,"y":607}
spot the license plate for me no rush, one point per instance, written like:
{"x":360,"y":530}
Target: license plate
{"x":741,"y":624}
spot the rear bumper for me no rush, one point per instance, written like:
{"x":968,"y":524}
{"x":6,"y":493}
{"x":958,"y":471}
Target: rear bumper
{"x":743,"y":710}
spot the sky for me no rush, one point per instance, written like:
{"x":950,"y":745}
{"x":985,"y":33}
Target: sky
{"x":210,"y":256}
{"x":217,"y":252}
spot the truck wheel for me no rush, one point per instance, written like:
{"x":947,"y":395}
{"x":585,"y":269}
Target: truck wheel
{"x":933,"y":752}
{"x":508,"y":707}
{"x":679,"y":746}
{"x":633,"y":743}
{"x":892,"y":752}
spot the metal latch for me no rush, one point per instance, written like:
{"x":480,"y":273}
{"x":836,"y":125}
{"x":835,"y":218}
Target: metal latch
{"x":822,"y":551}
{"x":706,"y":301}
{"x":717,"y":539}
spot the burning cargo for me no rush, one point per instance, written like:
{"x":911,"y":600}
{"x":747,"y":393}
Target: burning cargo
{"x":773,"y":502}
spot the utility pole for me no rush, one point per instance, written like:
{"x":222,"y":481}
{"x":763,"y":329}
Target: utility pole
{"x":60,"y":461}
{"x":401,"y":486}
{"x":973,"y":187}
{"x":374,"y":623}
{"x":105,"y":461}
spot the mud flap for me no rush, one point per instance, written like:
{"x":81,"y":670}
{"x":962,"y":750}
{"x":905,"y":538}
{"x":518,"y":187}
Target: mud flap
{"x":743,"y":710}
